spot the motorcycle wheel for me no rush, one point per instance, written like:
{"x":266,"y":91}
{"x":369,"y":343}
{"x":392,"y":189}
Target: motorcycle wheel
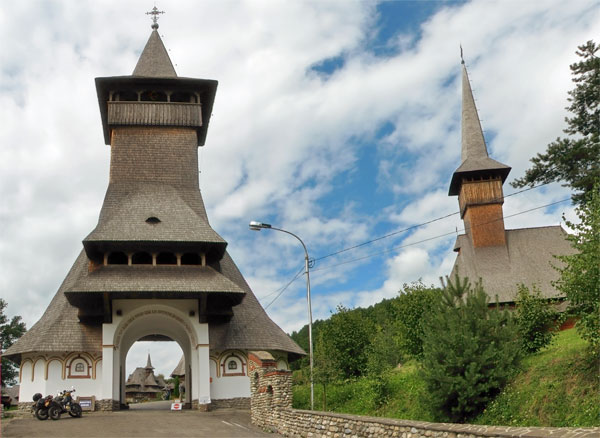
{"x":41,"y":414}
{"x":75,"y":410}
{"x":54,"y":412}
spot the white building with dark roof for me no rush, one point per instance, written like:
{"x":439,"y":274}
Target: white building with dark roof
{"x":501,"y":258}
{"x":153,"y":268}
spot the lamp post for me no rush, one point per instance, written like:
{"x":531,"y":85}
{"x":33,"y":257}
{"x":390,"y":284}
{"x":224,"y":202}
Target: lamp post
{"x":257,"y":226}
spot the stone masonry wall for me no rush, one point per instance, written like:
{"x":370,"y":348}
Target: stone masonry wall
{"x":271,"y":409}
{"x":236,"y":403}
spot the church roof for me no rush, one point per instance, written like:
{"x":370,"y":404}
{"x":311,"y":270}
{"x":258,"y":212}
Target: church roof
{"x":60,"y":330}
{"x":127,"y":207}
{"x":154,"y":61}
{"x":180,"y":368}
{"x":474,"y":154}
{"x":527,"y":258}
{"x":141,"y":381}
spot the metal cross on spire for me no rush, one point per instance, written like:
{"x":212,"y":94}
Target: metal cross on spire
{"x":155,"y":13}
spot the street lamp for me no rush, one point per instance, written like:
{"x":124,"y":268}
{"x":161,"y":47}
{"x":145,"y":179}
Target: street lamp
{"x":257,"y":226}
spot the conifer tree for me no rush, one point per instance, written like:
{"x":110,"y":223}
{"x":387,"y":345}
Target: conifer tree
{"x":469,"y":350}
{"x":574,"y":160}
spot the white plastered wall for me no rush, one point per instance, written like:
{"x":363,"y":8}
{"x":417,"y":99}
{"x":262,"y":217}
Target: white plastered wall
{"x":48,"y":374}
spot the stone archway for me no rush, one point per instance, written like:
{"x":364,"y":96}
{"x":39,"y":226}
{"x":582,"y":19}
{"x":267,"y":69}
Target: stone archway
{"x":146,"y":319}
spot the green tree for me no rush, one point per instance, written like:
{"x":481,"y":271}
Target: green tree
{"x":575,"y":160}
{"x":383,"y":353}
{"x":10,"y":331}
{"x":469,"y":351}
{"x":413,"y":302}
{"x":326,"y":369}
{"x":580,"y":276}
{"x":536,"y":318}
{"x":176,"y":387}
{"x":347,"y":337}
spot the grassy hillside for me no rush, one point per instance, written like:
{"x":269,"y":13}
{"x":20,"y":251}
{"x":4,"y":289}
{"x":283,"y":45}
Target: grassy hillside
{"x":555,"y":387}
{"x":558,"y":386}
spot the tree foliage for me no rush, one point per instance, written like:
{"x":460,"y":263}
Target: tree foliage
{"x":575,"y":160}
{"x":536,"y":318}
{"x":469,"y":350}
{"x":580,"y":276}
{"x":413,"y":301}
{"x":346,"y":339}
{"x":10,"y":331}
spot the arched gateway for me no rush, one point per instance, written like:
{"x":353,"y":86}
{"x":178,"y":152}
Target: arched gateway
{"x":153,"y":268}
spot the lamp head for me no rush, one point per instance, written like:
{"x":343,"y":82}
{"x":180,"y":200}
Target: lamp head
{"x":257,"y":226}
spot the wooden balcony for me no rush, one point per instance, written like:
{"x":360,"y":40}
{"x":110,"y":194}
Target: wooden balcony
{"x":155,"y":114}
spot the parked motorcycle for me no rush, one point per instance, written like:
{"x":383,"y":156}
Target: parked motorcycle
{"x":64,"y":403}
{"x":41,"y":405}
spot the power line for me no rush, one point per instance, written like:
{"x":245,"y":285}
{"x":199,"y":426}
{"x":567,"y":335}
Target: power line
{"x":404,"y":230}
{"x":433,"y":238}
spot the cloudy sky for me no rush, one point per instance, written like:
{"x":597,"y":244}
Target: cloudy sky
{"x":336,"y":120}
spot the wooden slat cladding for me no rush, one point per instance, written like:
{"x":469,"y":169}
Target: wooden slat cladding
{"x":154,"y":114}
{"x":478,"y":192}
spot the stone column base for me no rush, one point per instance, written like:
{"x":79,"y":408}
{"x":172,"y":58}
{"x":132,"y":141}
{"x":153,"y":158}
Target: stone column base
{"x":202,"y":407}
{"x":108,"y":404}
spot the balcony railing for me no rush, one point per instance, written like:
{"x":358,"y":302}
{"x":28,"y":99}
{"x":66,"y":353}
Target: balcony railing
{"x":155,"y":113}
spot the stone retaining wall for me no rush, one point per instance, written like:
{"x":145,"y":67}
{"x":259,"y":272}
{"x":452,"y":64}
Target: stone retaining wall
{"x":271,"y":409}
{"x":299,"y":423}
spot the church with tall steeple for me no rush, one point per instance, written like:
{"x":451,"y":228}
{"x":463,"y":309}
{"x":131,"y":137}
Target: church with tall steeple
{"x":153,"y":268}
{"x":501,"y":258}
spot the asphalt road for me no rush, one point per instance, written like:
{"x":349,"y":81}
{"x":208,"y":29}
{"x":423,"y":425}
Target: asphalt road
{"x":222,"y":423}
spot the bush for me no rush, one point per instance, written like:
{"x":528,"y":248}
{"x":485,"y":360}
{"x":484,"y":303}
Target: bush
{"x":469,"y":351}
{"x":536,"y":319}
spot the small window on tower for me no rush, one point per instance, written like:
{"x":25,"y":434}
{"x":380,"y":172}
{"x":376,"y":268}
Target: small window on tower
{"x":79,"y":368}
{"x":232,"y":365}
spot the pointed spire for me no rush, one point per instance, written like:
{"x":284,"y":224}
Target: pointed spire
{"x":473,"y":142}
{"x":474,"y":154}
{"x":154,"y":61}
{"x":149,"y":363}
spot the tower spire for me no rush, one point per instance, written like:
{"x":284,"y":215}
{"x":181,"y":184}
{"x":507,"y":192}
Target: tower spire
{"x":475,"y":160}
{"x":149,"y":363}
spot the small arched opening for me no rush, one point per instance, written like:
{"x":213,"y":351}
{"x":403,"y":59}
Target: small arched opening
{"x":153,"y":96}
{"x":190,"y":258}
{"x":117,"y":258}
{"x":166,"y":258}
{"x":141,"y":258}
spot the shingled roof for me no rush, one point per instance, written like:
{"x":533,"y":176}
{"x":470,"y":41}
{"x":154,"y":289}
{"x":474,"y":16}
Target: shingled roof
{"x":59,"y":329}
{"x":474,"y":154}
{"x":180,"y":210}
{"x":528,"y":258}
{"x":154,"y":61}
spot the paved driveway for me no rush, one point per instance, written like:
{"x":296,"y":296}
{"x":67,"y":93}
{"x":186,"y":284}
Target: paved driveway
{"x":139,"y":423}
